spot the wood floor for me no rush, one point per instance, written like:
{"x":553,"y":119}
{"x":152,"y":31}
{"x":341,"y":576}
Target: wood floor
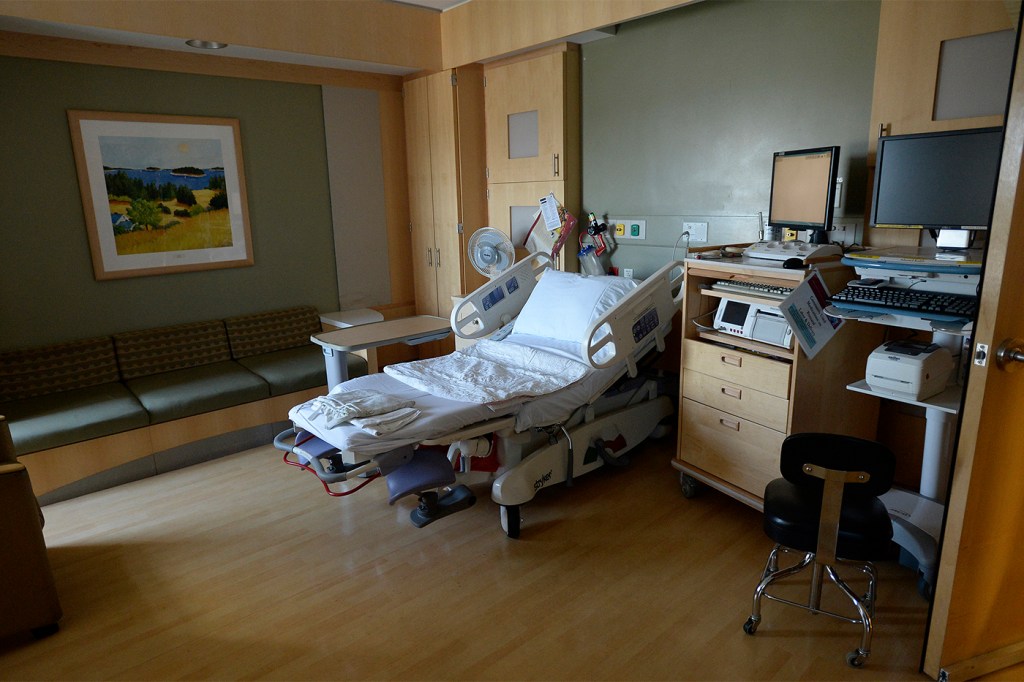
{"x":242,"y":568}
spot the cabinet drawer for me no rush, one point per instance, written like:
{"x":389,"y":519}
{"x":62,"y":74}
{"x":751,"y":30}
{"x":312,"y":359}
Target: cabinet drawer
{"x":736,"y":450}
{"x":739,"y":367}
{"x":742,"y":401}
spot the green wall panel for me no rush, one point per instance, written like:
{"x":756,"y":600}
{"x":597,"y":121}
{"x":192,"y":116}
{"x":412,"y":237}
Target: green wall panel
{"x":47,"y":289}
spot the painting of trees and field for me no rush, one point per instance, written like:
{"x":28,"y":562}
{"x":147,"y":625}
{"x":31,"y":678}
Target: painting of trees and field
{"x":165,"y":194}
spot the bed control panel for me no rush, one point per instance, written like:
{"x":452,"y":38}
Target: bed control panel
{"x":647,"y":323}
{"x":492,"y":298}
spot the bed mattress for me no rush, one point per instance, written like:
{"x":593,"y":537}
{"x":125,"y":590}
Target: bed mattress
{"x":440,"y":416}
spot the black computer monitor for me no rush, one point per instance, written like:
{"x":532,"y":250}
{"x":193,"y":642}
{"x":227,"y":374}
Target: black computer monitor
{"x":804,"y":191}
{"x":937,"y":181}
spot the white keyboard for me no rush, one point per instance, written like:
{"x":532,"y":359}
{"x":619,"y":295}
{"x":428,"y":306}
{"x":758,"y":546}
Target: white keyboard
{"x":791,"y":249}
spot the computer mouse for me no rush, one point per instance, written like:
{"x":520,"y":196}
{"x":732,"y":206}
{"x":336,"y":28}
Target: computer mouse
{"x":793,"y":264}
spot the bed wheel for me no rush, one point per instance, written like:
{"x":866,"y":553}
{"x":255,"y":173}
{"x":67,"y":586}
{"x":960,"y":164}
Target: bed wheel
{"x":510,"y":520}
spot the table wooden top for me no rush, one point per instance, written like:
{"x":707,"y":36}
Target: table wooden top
{"x":410,"y":330}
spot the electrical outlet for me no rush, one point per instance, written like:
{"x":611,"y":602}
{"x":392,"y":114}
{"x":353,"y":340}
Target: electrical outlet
{"x":629,"y":228}
{"x":698,"y":231}
{"x":627,"y":273}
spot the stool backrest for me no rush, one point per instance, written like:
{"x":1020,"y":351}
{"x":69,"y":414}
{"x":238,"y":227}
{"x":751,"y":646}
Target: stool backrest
{"x":840,"y":453}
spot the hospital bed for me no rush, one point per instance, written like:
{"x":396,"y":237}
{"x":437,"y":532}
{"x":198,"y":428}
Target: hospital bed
{"x":552,"y":388}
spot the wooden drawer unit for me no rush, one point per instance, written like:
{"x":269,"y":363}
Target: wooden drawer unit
{"x":737,"y":366}
{"x":744,"y":402}
{"x":730,"y":448}
{"x":740,"y":398}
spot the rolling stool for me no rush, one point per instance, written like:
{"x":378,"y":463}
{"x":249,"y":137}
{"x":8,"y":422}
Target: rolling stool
{"x":826,"y":506}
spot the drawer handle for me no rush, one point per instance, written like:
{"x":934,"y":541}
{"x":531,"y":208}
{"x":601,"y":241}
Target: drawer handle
{"x":729,"y":424}
{"x":732,"y":392}
{"x":734,"y":360}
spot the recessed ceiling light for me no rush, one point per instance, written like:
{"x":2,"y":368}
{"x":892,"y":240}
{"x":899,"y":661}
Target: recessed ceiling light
{"x":206,"y":44}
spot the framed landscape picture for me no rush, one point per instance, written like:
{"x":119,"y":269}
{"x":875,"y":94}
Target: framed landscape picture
{"x":161,"y":193}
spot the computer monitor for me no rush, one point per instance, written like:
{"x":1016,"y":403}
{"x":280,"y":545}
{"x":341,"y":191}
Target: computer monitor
{"x":938,"y":180}
{"x":804,"y":191}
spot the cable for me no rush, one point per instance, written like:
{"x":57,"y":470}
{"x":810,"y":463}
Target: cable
{"x":676,"y":245}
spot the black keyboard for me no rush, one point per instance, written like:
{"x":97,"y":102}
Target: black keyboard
{"x":931,"y":305}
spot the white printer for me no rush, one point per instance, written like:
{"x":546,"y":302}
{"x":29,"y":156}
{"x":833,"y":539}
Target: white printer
{"x":909,"y":369}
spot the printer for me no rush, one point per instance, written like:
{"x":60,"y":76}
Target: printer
{"x":909,"y":369}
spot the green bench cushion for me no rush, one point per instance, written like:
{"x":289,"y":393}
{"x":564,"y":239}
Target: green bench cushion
{"x":296,"y":369}
{"x":194,"y":390}
{"x":29,"y":372}
{"x":56,"y":419}
{"x":251,"y":335}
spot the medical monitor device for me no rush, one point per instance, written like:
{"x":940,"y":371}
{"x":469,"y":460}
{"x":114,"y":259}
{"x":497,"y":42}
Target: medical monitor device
{"x":937,"y":181}
{"x":804,"y":191}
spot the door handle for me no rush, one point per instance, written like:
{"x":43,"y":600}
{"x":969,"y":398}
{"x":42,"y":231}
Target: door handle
{"x":430,"y":257}
{"x":554,"y":165}
{"x":438,"y":260}
{"x":1009,"y":353}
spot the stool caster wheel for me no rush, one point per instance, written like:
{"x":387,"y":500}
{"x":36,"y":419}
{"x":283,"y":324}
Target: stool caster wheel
{"x":750,"y":627}
{"x":689,"y":485}
{"x":856,"y":659}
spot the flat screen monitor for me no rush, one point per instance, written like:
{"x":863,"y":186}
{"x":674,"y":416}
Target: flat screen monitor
{"x":803,"y":191}
{"x":937,"y":181}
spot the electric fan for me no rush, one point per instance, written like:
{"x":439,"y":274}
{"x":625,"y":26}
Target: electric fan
{"x":491,"y":252}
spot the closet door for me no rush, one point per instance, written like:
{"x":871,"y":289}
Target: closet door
{"x":445,"y":189}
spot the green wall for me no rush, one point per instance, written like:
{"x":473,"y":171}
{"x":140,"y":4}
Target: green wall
{"x":47,"y":289}
{"x":683,"y":110}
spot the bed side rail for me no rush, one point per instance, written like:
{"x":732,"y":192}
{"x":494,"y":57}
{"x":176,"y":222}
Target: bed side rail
{"x":640,"y":320}
{"x":499,"y":301}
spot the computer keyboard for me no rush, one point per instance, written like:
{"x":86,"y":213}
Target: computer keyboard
{"x":932,"y":305}
{"x":752,"y":288}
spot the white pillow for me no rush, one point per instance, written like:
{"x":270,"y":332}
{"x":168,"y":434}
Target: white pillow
{"x":563,"y":305}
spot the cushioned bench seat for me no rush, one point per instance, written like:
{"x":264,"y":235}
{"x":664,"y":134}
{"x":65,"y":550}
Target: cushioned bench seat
{"x":65,"y":393}
{"x":185,"y":369}
{"x":294,"y":369}
{"x":56,"y":419}
{"x":194,"y":390}
{"x":95,"y":399}
{"x":275,"y":345}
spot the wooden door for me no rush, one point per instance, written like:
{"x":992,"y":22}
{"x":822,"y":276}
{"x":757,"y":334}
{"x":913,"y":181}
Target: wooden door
{"x":525,"y":112}
{"x":445,"y":189}
{"x":421,"y":202}
{"x":980,"y":587}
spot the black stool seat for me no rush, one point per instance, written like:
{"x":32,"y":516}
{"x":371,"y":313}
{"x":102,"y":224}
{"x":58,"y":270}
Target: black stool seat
{"x":792,"y":513}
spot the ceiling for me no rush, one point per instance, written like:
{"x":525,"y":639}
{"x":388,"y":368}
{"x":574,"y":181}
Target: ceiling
{"x":114,"y":37}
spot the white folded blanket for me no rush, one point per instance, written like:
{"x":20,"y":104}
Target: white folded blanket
{"x":341,"y":406}
{"x":383,"y":424}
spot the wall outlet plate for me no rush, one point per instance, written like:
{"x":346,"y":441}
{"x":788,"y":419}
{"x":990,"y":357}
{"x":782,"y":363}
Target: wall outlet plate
{"x":698,"y":231}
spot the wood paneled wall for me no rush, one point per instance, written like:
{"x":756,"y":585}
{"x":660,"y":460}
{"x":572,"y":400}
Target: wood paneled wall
{"x":364,"y":30}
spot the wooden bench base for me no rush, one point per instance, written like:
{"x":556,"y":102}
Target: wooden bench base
{"x":57,"y":467}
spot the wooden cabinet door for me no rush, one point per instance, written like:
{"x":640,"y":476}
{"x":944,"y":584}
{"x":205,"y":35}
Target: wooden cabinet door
{"x":525,"y":113}
{"x":445,"y":189}
{"x":421,"y":203}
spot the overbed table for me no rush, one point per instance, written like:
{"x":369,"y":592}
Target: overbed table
{"x":408,"y":330}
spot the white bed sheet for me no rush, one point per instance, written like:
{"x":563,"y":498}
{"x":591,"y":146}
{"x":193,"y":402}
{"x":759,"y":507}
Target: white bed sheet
{"x":440,"y":416}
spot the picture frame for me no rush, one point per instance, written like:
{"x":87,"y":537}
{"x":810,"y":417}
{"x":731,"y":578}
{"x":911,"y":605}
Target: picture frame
{"x":161,"y":194}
